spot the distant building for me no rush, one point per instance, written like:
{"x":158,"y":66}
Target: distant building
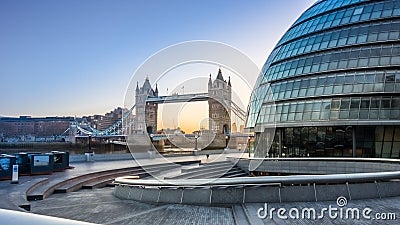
{"x":234,"y":128}
{"x":113,"y":116}
{"x":102,"y":122}
{"x":95,"y":121}
{"x":241,"y":129}
{"x":38,"y":127}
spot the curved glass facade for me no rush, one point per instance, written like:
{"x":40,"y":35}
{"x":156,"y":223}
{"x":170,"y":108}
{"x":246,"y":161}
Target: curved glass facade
{"x":334,"y":75}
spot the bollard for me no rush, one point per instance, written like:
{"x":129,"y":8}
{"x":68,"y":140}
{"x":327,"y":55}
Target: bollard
{"x":14,"y":179}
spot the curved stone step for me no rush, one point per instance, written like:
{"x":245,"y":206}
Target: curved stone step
{"x":99,"y":184}
{"x":78,"y":183}
{"x":140,"y":172}
{"x":18,"y":195}
{"x":46,"y":190}
{"x":238,"y":174}
{"x":211,"y":174}
{"x":207,"y":165}
{"x":203,"y":170}
{"x":233,"y":172}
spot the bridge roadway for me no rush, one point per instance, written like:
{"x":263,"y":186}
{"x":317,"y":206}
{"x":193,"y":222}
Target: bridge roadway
{"x":179,"y":98}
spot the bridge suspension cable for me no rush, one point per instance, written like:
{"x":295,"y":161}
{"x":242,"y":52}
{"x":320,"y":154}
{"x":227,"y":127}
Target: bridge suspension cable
{"x":116,"y":128}
{"x":238,"y":111}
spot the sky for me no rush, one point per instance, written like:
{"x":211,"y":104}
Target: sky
{"x":75,"y":58}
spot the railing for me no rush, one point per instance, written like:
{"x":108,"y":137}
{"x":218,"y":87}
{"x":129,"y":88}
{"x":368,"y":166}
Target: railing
{"x":344,"y":159}
{"x":293,"y":188}
{"x":249,"y":181}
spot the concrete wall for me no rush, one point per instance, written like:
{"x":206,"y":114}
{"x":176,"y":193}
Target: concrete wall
{"x":285,"y":190}
{"x":306,"y":166}
{"x":229,"y":195}
{"x":106,"y":157}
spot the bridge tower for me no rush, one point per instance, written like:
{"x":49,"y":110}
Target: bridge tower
{"x":219,"y":104}
{"x":146,"y":113}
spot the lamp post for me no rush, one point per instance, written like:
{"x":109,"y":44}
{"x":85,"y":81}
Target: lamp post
{"x":89,"y":140}
{"x":151,"y":151}
{"x":151,"y":142}
{"x":195,"y":141}
{"x":248,"y":144}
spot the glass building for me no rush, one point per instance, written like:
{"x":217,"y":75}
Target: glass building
{"x":331,"y":86}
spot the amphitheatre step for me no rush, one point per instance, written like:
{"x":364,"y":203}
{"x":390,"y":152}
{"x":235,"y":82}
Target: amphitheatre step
{"x":204,"y":168}
{"x":212,"y":174}
{"x":207,"y":165}
{"x":235,"y":172}
{"x":238,"y":174}
{"x":46,"y":190}
{"x":18,"y":195}
{"x":78,"y":183}
{"x":43,"y":191}
{"x":98,"y":184}
{"x":141,"y":173}
{"x":203,"y":171}
{"x":216,"y":162}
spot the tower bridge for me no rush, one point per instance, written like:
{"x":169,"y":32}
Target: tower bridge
{"x":141,"y":118}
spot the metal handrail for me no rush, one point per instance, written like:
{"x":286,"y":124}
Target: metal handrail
{"x":293,"y":179}
{"x":347,"y":159}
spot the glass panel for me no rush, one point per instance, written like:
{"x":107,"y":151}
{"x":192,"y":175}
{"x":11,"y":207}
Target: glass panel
{"x":353,"y":115}
{"x":334,"y":115}
{"x":345,"y":104}
{"x":387,"y":148}
{"x":395,"y":150}
{"x":388,"y":133}
{"x":364,"y":114}
{"x":344,"y":114}
{"x":315,"y":115}
{"x":355,"y":103}
{"x":308,"y":106}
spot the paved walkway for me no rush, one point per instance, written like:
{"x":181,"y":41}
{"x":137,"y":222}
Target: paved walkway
{"x":9,"y":191}
{"x":100,"y":206}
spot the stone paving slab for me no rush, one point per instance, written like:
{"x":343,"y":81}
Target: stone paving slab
{"x":100,"y":206}
{"x":184,"y":214}
{"x":14,"y":195}
{"x":96,"y":206}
